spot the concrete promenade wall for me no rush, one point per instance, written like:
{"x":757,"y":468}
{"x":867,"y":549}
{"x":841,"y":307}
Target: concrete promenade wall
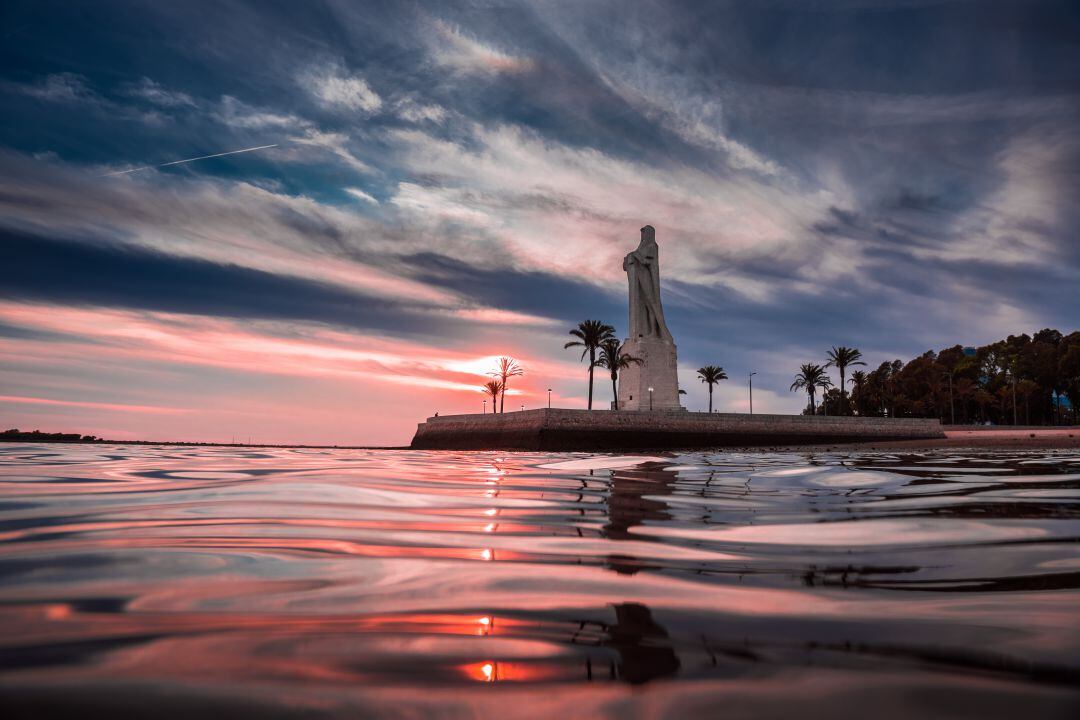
{"x":559,"y":429}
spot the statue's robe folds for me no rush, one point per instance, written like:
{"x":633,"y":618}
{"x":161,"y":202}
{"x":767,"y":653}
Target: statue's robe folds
{"x":642,"y":268}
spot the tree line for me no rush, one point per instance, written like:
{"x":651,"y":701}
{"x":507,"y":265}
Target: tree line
{"x":16,"y":435}
{"x":1021,"y":380}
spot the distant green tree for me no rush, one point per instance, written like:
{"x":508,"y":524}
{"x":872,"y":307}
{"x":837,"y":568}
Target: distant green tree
{"x":1069,"y":372}
{"x":590,"y":334}
{"x":830,"y":402}
{"x":613,"y":360}
{"x":710,"y":375}
{"x":505,"y":369}
{"x":1025,"y":389}
{"x":964,"y":389}
{"x":810,"y":378}
{"x":842,"y":358}
{"x":858,"y":385}
{"x":984,"y":399}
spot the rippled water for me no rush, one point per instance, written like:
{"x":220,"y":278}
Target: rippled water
{"x":297,"y":583}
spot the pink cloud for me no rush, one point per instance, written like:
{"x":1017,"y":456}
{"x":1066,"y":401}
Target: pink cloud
{"x":96,"y":405}
{"x":212,"y":378}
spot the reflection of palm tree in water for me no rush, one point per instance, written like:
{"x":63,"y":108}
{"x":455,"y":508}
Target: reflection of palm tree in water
{"x":628,"y":506}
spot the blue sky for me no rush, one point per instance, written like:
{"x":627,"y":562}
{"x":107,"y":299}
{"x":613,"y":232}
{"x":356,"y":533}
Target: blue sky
{"x":453,"y":181}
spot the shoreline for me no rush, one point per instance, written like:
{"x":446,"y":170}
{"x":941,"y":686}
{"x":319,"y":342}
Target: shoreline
{"x":956,"y":438}
{"x":986,"y":438}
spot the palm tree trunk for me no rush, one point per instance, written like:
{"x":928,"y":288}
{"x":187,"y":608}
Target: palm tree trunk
{"x":710,"y":398}
{"x":502,"y":398}
{"x":813,"y":407}
{"x":843,"y":398}
{"x":592,"y":362}
{"x":615,"y":390}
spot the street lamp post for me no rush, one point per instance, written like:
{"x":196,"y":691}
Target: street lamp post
{"x":549,"y":398}
{"x":485,"y":406}
{"x":522,"y":408}
{"x":650,"y":399}
{"x":751,"y":378}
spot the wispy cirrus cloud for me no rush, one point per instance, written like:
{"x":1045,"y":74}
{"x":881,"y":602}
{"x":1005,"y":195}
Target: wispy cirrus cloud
{"x":238,"y":114}
{"x":454,"y":47}
{"x":112,"y":407}
{"x":334,"y":143}
{"x":61,"y":87}
{"x":361,"y":195}
{"x":333,"y":87}
{"x":158,"y":94}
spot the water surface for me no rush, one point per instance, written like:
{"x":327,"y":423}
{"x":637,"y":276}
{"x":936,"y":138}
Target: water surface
{"x":306,"y":583}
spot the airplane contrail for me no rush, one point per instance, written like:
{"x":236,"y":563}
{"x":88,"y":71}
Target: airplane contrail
{"x":180,"y":162}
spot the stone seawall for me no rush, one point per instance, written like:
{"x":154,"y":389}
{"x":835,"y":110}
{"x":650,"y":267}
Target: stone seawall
{"x":558,"y":429}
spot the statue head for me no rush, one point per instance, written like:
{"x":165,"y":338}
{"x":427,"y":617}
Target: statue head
{"x":648,"y":234}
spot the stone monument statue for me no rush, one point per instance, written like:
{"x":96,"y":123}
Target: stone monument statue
{"x":654,"y":384}
{"x":642,"y":268}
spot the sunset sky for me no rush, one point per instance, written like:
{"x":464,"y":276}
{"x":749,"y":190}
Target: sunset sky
{"x":441,"y":183}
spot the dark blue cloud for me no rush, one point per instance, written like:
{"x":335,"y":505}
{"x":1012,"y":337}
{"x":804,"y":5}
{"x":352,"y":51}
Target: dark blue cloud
{"x":520,"y":291}
{"x":77,"y":272}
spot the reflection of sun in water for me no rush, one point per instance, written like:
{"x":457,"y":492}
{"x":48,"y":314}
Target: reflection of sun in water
{"x":487,"y":553}
{"x":490,"y":527}
{"x":485,"y":671}
{"x":491,"y":512}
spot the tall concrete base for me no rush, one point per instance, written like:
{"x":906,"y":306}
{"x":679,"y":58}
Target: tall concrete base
{"x":659,"y":371}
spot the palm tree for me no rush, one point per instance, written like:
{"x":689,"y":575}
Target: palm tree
{"x":493,"y":388}
{"x":858,"y":382}
{"x":710,"y":375}
{"x":843,"y":358}
{"x":810,"y":378}
{"x":613,"y":360}
{"x":507,"y":368}
{"x":590,"y":335}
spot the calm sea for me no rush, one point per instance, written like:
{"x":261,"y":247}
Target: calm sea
{"x":228,"y":582}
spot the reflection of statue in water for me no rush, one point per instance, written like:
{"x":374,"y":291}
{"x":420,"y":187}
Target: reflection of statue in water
{"x":642,"y":268}
{"x":644,"y":650}
{"x":634,"y":498}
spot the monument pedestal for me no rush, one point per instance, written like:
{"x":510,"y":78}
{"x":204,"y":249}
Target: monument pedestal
{"x":658,"y":370}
